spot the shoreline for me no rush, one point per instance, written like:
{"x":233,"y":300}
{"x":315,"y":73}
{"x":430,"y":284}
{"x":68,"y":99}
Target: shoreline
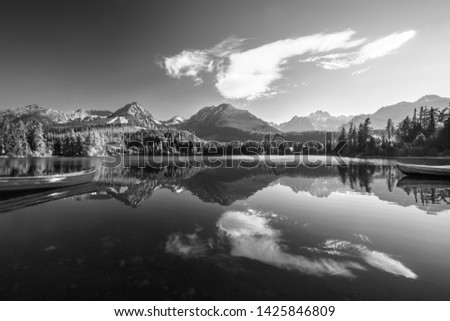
{"x":231,"y":157}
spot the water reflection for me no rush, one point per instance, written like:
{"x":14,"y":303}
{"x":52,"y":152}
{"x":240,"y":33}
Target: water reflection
{"x":252,"y":237}
{"x":133,"y":186}
{"x":224,"y":186}
{"x":43,"y":166}
{"x":189,"y":245}
{"x":249,"y":235}
{"x":354,"y":232}
{"x":373,"y":258}
{"x":427,"y":191}
{"x":17,"y":200}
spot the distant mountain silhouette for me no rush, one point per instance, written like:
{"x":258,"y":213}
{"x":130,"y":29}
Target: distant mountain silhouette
{"x":174,"y":121}
{"x":320,"y":120}
{"x":296,"y":124}
{"x":226,"y":123}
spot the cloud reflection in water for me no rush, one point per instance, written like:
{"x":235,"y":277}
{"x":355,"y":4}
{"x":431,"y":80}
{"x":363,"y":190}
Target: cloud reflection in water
{"x":250,"y":236}
{"x":375,"y":259}
{"x":188,"y":245}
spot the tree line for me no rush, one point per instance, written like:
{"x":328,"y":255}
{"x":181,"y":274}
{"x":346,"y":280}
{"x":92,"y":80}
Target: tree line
{"x":425,"y":133}
{"x":29,"y":139}
{"x":19,"y":139}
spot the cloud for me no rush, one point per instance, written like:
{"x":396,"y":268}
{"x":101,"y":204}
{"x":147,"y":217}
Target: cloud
{"x":373,"y":50}
{"x":386,"y":45}
{"x":250,"y":74}
{"x":360,"y":71}
{"x":190,"y":63}
{"x":363,"y":238}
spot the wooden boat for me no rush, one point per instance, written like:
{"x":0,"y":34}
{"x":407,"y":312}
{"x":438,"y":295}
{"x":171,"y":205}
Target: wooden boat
{"x":19,"y":199}
{"x":46,"y":182}
{"x":414,"y":169}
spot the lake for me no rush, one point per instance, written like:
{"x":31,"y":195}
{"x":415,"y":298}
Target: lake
{"x":356,"y":232}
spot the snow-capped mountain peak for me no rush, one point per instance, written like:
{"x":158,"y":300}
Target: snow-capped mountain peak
{"x":174,"y":121}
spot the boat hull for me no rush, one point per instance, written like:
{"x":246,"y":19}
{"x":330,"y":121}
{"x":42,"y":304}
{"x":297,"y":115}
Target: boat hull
{"x":45,"y":182}
{"x":12,"y":201}
{"x":424,"y":170}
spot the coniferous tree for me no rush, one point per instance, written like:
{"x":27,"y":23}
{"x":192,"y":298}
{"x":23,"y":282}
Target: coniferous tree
{"x":445,"y":133}
{"x":367,"y":128}
{"x":57,"y":146}
{"x":352,"y":138}
{"x":69,"y":144}
{"x":421,"y":118}
{"x":404,"y":130}
{"x":390,"y":129}
{"x":78,"y":145}
{"x":18,"y":139}
{"x":432,"y":122}
{"x":342,"y":134}
{"x":361,"y":137}
{"x":10,"y":142}
{"x":36,"y":139}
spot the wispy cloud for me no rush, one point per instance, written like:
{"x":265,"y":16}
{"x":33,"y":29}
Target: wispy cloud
{"x":360,"y":71}
{"x":190,"y":63}
{"x":250,"y":74}
{"x":373,"y":50}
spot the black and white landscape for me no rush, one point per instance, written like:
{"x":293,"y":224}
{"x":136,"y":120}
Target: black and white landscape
{"x":243,"y":150}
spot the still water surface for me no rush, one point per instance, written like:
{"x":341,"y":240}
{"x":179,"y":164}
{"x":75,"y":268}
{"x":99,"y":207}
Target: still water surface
{"x":331,"y":233}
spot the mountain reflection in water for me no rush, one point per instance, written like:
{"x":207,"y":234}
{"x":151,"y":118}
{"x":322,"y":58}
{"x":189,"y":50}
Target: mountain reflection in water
{"x":133,"y":185}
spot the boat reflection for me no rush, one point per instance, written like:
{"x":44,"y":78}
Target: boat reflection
{"x":427,"y":191}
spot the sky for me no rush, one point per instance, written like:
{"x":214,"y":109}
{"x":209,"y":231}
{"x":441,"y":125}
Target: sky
{"x":276,"y":59}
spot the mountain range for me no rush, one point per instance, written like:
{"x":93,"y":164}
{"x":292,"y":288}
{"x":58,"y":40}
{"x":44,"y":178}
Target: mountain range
{"x":132,"y":114}
{"x":222,"y":123}
{"x":320,"y":120}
